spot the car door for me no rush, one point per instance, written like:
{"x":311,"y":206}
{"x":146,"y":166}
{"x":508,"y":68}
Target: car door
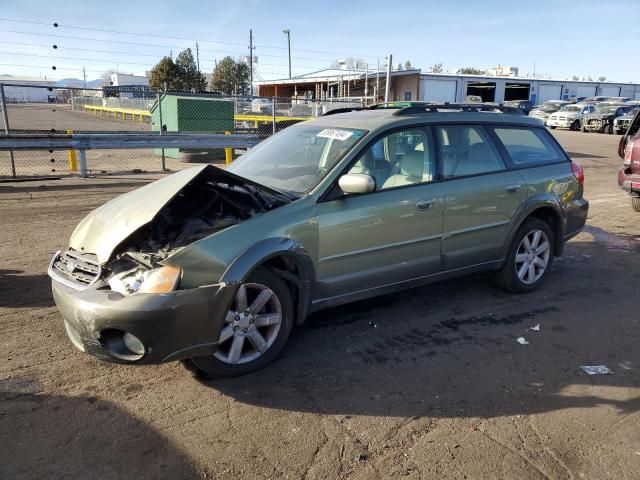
{"x":390,"y":235}
{"x":480,"y":195}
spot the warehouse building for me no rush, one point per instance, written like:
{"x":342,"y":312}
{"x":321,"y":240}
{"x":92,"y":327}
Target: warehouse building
{"x":24,"y":89}
{"x":432,"y":87}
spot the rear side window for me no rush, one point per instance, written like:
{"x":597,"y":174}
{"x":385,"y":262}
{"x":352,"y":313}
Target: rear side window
{"x":466,"y":150}
{"x":529,"y":146}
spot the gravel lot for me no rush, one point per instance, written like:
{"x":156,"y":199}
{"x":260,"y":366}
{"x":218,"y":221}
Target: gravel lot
{"x":438,"y":389}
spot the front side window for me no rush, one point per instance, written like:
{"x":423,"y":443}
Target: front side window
{"x":466,"y":150}
{"x":529,"y":146}
{"x":297,"y":158}
{"x":400,"y":158}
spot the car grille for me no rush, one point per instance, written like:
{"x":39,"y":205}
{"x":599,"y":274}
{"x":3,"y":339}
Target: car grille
{"x":75,"y":269}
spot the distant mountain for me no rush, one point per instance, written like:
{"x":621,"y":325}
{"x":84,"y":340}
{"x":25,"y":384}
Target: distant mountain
{"x":77,"y":83}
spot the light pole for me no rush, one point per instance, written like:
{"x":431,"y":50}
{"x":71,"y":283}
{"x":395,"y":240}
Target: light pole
{"x":287,"y":32}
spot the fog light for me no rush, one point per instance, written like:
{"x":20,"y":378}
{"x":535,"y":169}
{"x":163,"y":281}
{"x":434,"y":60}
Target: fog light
{"x":133,"y":343}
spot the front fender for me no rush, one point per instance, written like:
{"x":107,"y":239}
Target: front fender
{"x":542,"y":201}
{"x":244,"y":264}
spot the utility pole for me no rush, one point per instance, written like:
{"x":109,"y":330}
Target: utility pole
{"x":377,"y":81}
{"x":84,"y":76}
{"x":387,"y":87}
{"x":287,"y":32}
{"x":250,"y":62}
{"x":197,"y":57}
{"x":366,"y":82}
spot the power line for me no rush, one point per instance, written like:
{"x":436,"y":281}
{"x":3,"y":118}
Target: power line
{"x":138,"y":44}
{"x":69,"y":58}
{"x":79,"y":69}
{"x":118,"y":32}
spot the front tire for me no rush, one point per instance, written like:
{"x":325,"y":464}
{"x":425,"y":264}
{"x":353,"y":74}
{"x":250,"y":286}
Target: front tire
{"x":257,"y":326}
{"x":529,"y":258}
{"x":635,"y":203}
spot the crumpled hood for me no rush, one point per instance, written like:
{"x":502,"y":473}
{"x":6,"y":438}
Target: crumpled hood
{"x":107,"y":226}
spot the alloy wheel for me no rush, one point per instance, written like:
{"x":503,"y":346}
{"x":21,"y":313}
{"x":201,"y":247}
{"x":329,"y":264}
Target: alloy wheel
{"x":532,"y":257}
{"x":251,"y":324}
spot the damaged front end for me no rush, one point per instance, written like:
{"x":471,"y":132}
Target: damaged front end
{"x":116,"y":281}
{"x":123,"y":245}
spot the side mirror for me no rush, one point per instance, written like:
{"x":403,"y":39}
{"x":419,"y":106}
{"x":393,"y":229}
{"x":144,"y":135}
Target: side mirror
{"x":357,"y":183}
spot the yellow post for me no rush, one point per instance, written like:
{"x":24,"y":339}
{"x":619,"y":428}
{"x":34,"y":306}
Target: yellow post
{"x":71,"y":157}
{"x":228,"y":152}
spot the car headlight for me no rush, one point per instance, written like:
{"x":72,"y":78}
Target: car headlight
{"x":159,"y":280}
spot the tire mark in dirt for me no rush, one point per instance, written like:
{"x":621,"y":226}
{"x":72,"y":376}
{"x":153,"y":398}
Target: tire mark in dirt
{"x":439,"y":334}
{"x":526,"y":460}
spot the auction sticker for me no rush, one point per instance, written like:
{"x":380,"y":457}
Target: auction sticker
{"x":335,"y":134}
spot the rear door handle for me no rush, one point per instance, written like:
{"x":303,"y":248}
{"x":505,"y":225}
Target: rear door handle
{"x":513,"y":188}
{"x":426,"y":203}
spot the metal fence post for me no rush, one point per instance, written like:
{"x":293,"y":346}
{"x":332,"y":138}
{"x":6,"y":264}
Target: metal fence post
{"x":273,"y":112}
{"x":164,"y":166}
{"x":5,"y":119}
{"x":83,"y":163}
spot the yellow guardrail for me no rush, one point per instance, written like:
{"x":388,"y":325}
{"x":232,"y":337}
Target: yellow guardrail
{"x":141,"y":114}
{"x":267,"y":118}
{"x":99,"y":109}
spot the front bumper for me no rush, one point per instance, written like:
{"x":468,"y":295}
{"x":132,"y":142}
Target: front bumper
{"x":173,"y":326}
{"x":628,"y":181}
{"x":595,"y":125}
{"x":560,"y":123}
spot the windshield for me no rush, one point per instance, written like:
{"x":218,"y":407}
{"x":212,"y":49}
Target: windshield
{"x":297,"y":158}
{"x":551,"y":105}
{"x":570,"y":108}
{"x":606,"y":110}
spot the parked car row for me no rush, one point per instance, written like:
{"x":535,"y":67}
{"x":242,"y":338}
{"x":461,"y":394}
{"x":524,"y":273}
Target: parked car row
{"x":593,"y":114}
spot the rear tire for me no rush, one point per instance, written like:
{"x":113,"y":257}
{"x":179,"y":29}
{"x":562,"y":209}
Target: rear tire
{"x":529,"y":258}
{"x":635,"y":203}
{"x":552,"y":128}
{"x":269,"y":328}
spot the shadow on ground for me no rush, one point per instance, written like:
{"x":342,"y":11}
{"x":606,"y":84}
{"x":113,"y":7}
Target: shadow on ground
{"x":83,"y":437}
{"x":450,"y":350}
{"x":24,"y":290}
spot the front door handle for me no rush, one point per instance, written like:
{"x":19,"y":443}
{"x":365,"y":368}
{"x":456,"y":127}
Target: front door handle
{"x":426,"y":203}
{"x":513,"y":188}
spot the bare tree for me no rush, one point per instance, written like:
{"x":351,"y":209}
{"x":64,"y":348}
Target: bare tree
{"x":407,"y":65}
{"x":602,"y":79}
{"x":575,"y":77}
{"x":437,"y":68}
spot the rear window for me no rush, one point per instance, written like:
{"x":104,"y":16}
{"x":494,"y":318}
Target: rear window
{"x":529,"y":146}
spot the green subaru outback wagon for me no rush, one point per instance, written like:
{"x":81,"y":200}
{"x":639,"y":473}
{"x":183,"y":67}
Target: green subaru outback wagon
{"x":217,"y":266}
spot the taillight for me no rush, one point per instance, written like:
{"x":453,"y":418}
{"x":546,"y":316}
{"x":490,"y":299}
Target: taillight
{"x":578,"y":172}
{"x":628,"y":153}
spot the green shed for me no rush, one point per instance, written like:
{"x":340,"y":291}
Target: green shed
{"x":193,"y":114}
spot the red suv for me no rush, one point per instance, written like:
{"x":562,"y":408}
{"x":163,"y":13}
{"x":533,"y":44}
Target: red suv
{"x":629,"y":174}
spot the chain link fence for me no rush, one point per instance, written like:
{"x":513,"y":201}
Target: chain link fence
{"x":29,"y":109}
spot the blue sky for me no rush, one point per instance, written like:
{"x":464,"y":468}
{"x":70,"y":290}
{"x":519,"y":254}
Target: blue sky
{"x":562,"y":38}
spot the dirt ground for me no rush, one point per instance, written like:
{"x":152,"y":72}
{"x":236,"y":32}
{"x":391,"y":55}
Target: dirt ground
{"x":428,"y":384}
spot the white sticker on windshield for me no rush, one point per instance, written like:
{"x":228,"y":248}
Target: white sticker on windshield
{"x":335,"y":134}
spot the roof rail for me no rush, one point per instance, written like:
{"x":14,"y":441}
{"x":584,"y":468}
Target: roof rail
{"x":465,"y":107}
{"x":342,"y":110}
